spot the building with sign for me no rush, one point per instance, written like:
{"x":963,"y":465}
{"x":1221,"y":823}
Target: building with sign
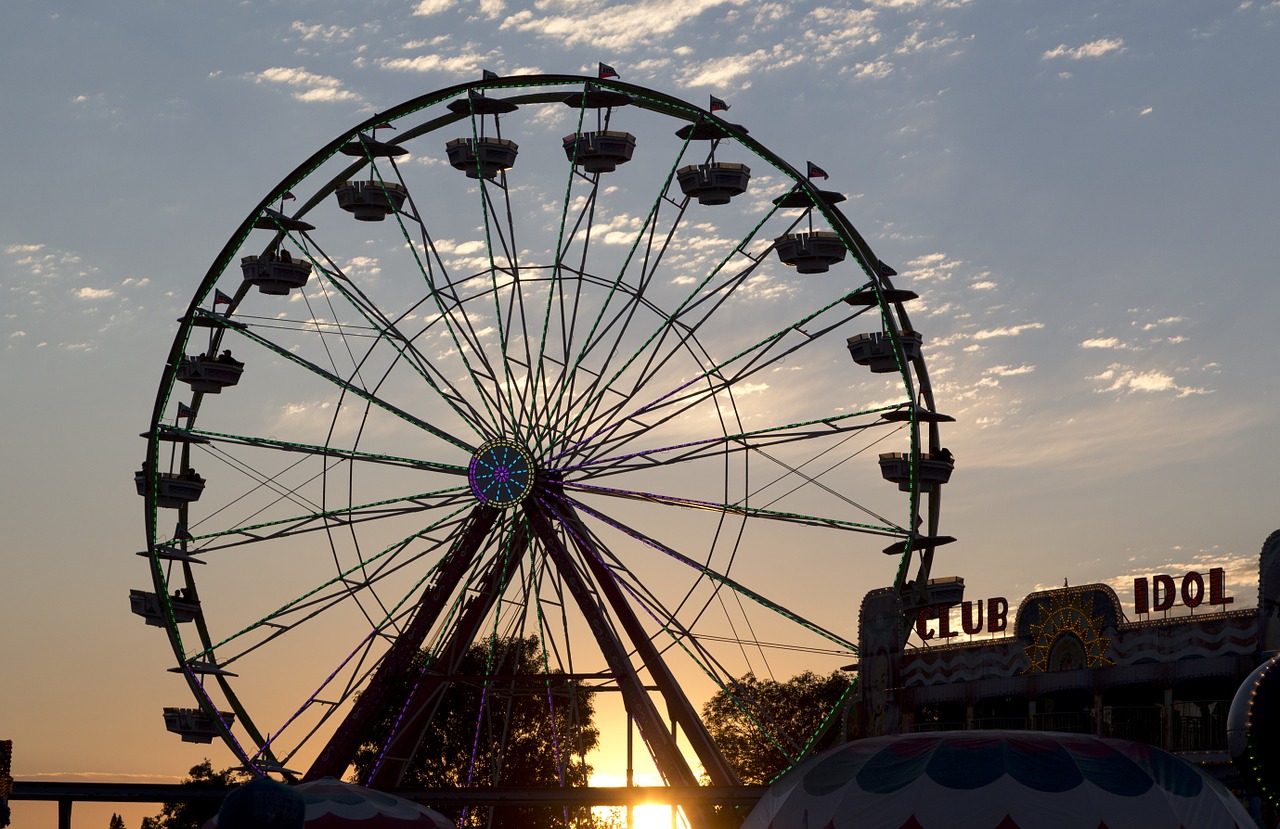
{"x":1070,"y":660}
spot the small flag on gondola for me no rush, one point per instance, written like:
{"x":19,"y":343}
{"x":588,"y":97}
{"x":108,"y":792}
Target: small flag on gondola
{"x":185,"y":411}
{"x":488,"y":76}
{"x":606,"y":71}
{"x":219,"y":298}
{"x":180,"y":533}
{"x":815,"y":171}
{"x":288,"y":196}
{"x":718,"y":105}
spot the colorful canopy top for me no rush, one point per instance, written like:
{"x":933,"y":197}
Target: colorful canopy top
{"x":997,"y":780}
{"x":1040,"y":761}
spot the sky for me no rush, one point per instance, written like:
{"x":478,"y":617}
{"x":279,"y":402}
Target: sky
{"x":1082,"y":194}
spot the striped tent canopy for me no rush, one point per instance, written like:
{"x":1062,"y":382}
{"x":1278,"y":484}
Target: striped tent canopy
{"x":327,"y":804}
{"x":997,"y":780}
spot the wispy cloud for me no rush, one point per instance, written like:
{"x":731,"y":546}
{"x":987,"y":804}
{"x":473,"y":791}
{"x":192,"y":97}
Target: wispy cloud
{"x":1007,"y":331}
{"x":321,"y":32}
{"x":1123,"y":379}
{"x":624,"y":27}
{"x":1009,"y":371}
{"x":307,"y":86}
{"x":1092,"y":49}
{"x":1103,"y":342}
{"x":465,"y":63}
{"x":94,"y":293}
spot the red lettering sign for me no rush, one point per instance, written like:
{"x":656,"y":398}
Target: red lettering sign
{"x":1192,"y":589}
{"x":1141,"y":602}
{"x":970,"y":624}
{"x":1217,"y":587}
{"x":1162,"y":587}
{"x":997,"y":614}
{"x":944,"y":622}
{"x":922,"y":623}
{"x":1164,"y":591}
{"x":996,"y":617}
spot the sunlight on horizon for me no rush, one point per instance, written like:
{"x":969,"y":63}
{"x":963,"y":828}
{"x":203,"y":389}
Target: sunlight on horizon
{"x":648,"y":816}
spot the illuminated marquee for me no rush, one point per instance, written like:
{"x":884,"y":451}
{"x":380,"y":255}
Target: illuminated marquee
{"x":1161,"y":592}
{"x":996,"y":621}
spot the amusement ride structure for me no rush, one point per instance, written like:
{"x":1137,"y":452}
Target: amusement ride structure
{"x":545,"y":357}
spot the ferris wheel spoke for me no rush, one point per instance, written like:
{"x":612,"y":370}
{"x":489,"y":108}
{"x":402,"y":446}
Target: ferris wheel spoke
{"x":587,"y":407}
{"x":680,"y":636}
{"x":321,"y":451}
{"x":327,"y":519}
{"x":739,"y":510}
{"x":448,"y":304}
{"x":562,"y":416}
{"x":648,"y":267}
{"x":712,"y":383}
{"x":438,"y":535}
{"x":358,"y":674}
{"x":388,"y":330}
{"x":715,"y":576}
{"x":555,"y":290}
{"x":352,"y":388}
{"x":697,"y":450}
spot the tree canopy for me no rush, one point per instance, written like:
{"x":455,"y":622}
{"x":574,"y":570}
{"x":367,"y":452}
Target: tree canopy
{"x":192,"y":815}
{"x":525,"y":726}
{"x":762,"y":725}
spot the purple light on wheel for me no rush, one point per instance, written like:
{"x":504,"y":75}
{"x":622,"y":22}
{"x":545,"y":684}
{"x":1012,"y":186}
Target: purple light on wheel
{"x":501,"y":473}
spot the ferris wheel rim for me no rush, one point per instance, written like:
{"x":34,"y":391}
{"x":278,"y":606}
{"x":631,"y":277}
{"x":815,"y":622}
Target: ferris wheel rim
{"x":662,"y":104}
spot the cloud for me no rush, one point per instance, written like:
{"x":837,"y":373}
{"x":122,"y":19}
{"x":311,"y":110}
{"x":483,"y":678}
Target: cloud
{"x":910,"y":5}
{"x":426,"y":8}
{"x":94,"y":293}
{"x":469,"y":63}
{"x":318,"y":31}
{"x":873,"y":69}
{"x":1103,"y":342}
{"x":1162,"y":321}
{"x":309,"y":87}
{"x":1009,"y":371}
{"x":1092,"y":49}
{"x":1126,"y":380}
{"x":734,"y":71}
{"x":834,"y":32}
{"x":625,"y":27}
{"x":1007,"y":331}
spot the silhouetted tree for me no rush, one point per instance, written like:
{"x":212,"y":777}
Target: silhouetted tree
{"x":192,"y":815}
{"x":527,"y":727}
{"x":760,"y":723}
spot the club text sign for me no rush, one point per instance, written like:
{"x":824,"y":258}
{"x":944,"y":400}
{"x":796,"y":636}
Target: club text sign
{"x":1161,"y":592}
{"x":971,"y":618}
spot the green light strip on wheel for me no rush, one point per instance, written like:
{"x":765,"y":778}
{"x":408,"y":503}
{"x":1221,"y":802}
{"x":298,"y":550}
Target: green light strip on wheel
{"x":558,"y":268}
{"x":313,"y":449}
{"x":298,"y":519}
{"x":356,"y":390}
{"x":650,"y":219}
{"x":386,"y":331}
{"x":208,"y":653}
{"x":667,"y":323}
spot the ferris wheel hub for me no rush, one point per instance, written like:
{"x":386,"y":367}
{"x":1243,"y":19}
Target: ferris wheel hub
{"x":501,"y":473}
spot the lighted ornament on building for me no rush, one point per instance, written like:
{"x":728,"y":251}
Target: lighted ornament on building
{"x":1067,"y":614}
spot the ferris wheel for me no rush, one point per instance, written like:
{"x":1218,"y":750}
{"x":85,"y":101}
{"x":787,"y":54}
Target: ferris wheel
{"x":549,"y":358}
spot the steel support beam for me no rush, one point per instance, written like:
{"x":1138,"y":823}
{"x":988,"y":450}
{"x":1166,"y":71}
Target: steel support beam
{"x":341,"y":749}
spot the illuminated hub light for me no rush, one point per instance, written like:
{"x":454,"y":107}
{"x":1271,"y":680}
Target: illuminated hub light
{"x":501,"y":473}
